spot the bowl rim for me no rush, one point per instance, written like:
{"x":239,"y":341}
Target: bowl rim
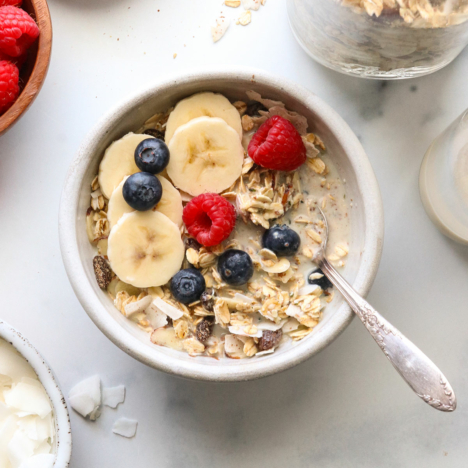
{"x":370,"y":258}
{"x":39,"y":72}
{"x":50,"y":383}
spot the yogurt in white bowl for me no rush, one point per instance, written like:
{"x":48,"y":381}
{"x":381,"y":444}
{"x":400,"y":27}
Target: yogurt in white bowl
{"x":35,"y":427}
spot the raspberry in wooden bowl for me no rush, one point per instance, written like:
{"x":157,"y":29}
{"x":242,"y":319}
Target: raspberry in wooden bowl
{"x":30,"y":54}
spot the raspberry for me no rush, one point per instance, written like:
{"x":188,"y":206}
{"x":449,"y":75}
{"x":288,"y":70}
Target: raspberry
{"x":277,"y":145}
{"x":9,"y":89}
{"x":11,"y":3}
{"x":17,"y":31}
{"x":209,"y":218}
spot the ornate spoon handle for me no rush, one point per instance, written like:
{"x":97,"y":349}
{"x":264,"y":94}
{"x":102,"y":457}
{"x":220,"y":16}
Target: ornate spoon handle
{"x":420,"y":373}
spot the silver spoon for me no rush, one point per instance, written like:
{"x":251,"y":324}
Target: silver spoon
{"x":419,"y":372}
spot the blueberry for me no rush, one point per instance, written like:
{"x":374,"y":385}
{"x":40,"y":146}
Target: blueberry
{"x":188,"y":285}
{"x":152,"y":155}
{"x":142,"y":191}
{"x":322,"y":281}
{"x":235,"y":267}
{"x":282,"y":240}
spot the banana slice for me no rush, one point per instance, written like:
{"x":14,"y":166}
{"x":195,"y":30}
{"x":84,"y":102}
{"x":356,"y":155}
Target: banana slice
{"x":170,"y":203}
{"x":118,"y":162}
{"x":145,"y":249}
{"x":206,"y":156}
{"x":203,"y":105}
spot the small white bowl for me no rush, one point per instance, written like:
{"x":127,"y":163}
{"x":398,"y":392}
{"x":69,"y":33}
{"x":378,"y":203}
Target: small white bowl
{"x":63,"y":440}
{"x":348,"y":155}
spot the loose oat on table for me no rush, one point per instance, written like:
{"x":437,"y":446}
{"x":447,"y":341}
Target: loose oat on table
{"x":277,"y":306}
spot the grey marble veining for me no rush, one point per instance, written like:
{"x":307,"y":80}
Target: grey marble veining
{"x":344,"y":408}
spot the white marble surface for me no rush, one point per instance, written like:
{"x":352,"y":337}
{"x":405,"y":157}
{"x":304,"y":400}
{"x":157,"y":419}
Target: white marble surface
{"x":344,"y":408}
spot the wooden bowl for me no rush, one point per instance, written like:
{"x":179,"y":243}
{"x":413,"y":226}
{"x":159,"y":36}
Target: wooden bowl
{"x":34,"y":70}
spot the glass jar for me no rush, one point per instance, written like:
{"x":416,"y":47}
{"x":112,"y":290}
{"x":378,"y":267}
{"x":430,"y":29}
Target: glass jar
{"x":384,"y":39}
{"x":443,"y":180}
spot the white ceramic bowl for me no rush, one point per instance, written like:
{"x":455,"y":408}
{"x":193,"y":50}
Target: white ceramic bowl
{"x":348,"y":155}
{"x":63,"y":441}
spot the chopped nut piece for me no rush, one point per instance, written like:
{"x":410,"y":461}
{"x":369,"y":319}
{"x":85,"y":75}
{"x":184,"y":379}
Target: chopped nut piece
{"x":269,"y":339}
{"x":102,"y":271}
{"x":241,"y":106}
{"x":247,"y":123}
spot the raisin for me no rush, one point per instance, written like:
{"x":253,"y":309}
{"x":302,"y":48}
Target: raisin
{"x":154,"y":133}
{"x":191,"y":243}
{"x":207,"y":301}
{"x":204,"y":330}
{"x":102,"y":271}
{"x":269,"y":339}
{"x":254,"y":107}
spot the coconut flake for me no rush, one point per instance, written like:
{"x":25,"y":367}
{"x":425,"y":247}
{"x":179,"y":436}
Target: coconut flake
{"x":294,"y":311}
{"x":233,"y":347}
{"x":308,"y":289}
{"x":85,"y":397}
{"x":20,"y":448}
{"x":236,"y":330}
{"x":245,"y":299}
{"x":167,"y":309}
{"x":291,"y":325}
{"x":269,"y":325}
{"x":113,"y":396}
{"x":28,"y":399}
{"x":125,"y":427}
{"x":39,"y":461}
{"x":137,"y":306}
{"x":279,"y":267}
{"x":268,"y":351}
{"x":156,"y":318}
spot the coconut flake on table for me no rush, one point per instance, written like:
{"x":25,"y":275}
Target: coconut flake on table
{"x":113,"y":396}
{"x":167,"y":309}
{"x":85,"y":397}
{"x":125,"y":427}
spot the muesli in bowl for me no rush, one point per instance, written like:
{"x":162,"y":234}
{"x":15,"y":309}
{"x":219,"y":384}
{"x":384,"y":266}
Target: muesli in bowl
{"x":205,"y":224}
